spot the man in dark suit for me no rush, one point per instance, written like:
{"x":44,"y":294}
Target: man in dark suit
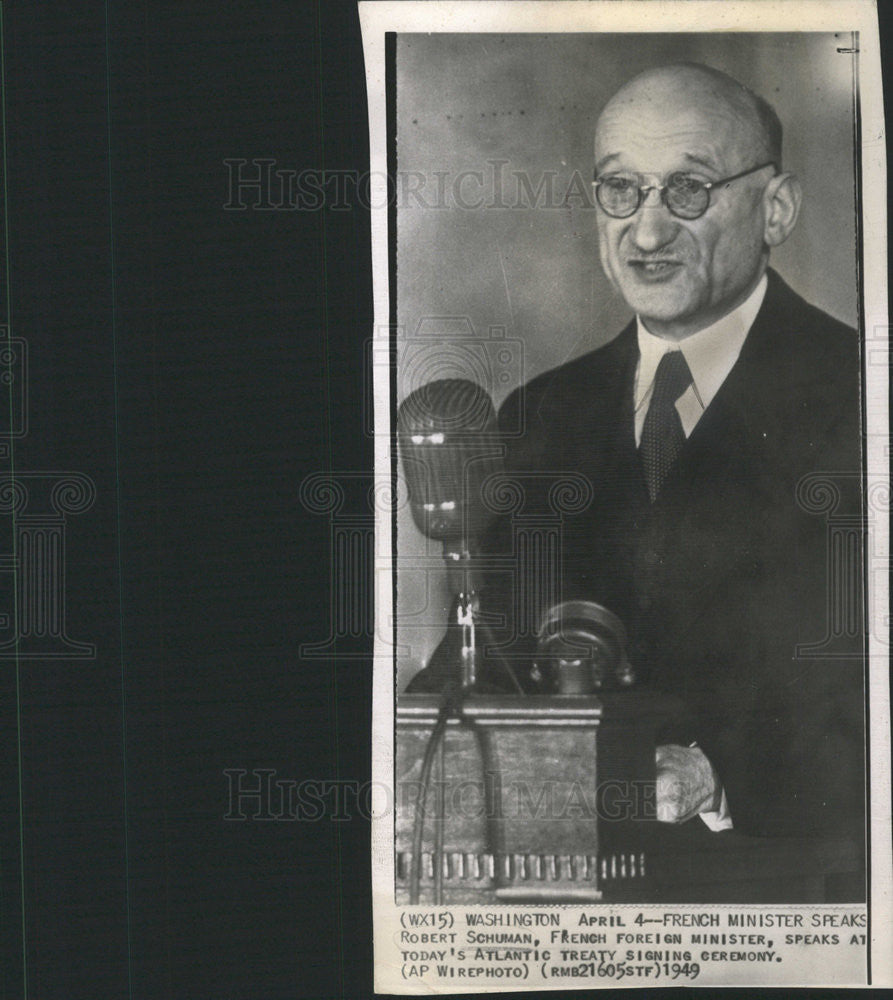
{"x":708,"y":430}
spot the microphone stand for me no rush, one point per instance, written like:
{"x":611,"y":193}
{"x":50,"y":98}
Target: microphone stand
{"x":462,"y":582}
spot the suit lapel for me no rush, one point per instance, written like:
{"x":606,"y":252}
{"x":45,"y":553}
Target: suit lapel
{"x":707,"y":523}
{"x":606,"y":446}
{"x":748,"y":415}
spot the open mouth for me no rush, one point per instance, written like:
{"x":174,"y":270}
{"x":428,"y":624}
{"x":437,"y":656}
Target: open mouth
{"x":654,"y":268}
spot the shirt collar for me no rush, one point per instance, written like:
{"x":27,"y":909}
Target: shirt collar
{"x":710,"y":353}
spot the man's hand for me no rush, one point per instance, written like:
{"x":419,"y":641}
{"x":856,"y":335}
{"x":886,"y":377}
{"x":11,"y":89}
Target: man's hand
{"x":686,"y":783}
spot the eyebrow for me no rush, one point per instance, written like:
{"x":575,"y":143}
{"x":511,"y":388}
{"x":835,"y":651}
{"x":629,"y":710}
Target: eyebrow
{"x":700,"y":161}
{"x":605,"y":160}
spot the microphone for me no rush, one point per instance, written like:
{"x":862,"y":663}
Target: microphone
{"x":448,"y":440}
{"x":447,"y":434}
{"x":449,"y":443}
{"x":581,"y":649}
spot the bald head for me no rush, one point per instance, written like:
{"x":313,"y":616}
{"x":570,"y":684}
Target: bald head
{"x":748,"y":123}
{"x":684,"y":260}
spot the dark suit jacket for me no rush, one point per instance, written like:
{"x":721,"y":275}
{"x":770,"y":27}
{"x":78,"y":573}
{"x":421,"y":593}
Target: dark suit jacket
{"x":751,"y":551}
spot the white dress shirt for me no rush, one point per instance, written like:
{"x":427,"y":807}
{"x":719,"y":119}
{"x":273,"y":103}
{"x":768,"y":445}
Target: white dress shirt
{"x":710,"y":354}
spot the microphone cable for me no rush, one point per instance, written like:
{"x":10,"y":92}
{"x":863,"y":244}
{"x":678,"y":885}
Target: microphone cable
{"x":451,"y":704}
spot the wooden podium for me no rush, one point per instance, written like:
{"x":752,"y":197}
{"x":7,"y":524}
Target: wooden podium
{"x":550,"y":799}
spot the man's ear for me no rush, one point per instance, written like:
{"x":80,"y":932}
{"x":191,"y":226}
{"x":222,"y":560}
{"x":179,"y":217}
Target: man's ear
{"x":781,"y":203}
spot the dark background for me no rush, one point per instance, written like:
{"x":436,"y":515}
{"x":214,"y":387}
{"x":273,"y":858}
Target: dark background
{"x":196,"y":364}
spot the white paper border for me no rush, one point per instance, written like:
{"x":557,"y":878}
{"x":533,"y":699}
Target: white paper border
{"x":696,"y":16}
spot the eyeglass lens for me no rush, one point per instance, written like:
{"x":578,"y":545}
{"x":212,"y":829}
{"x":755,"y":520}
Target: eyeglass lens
{"x":683,"y":195}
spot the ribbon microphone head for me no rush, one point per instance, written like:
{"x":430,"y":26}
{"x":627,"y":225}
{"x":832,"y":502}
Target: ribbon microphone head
{"x":449,"y":445}
{"x":581,"y":648}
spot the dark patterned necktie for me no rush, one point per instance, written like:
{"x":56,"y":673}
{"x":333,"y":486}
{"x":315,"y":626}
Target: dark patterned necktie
{"x":662,"y":434}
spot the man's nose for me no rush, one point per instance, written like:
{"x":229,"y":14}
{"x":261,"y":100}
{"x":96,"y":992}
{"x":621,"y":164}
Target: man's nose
{"x":653,"y":227}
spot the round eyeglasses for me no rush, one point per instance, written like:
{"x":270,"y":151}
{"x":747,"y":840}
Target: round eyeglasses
{"x":686,"y":197}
